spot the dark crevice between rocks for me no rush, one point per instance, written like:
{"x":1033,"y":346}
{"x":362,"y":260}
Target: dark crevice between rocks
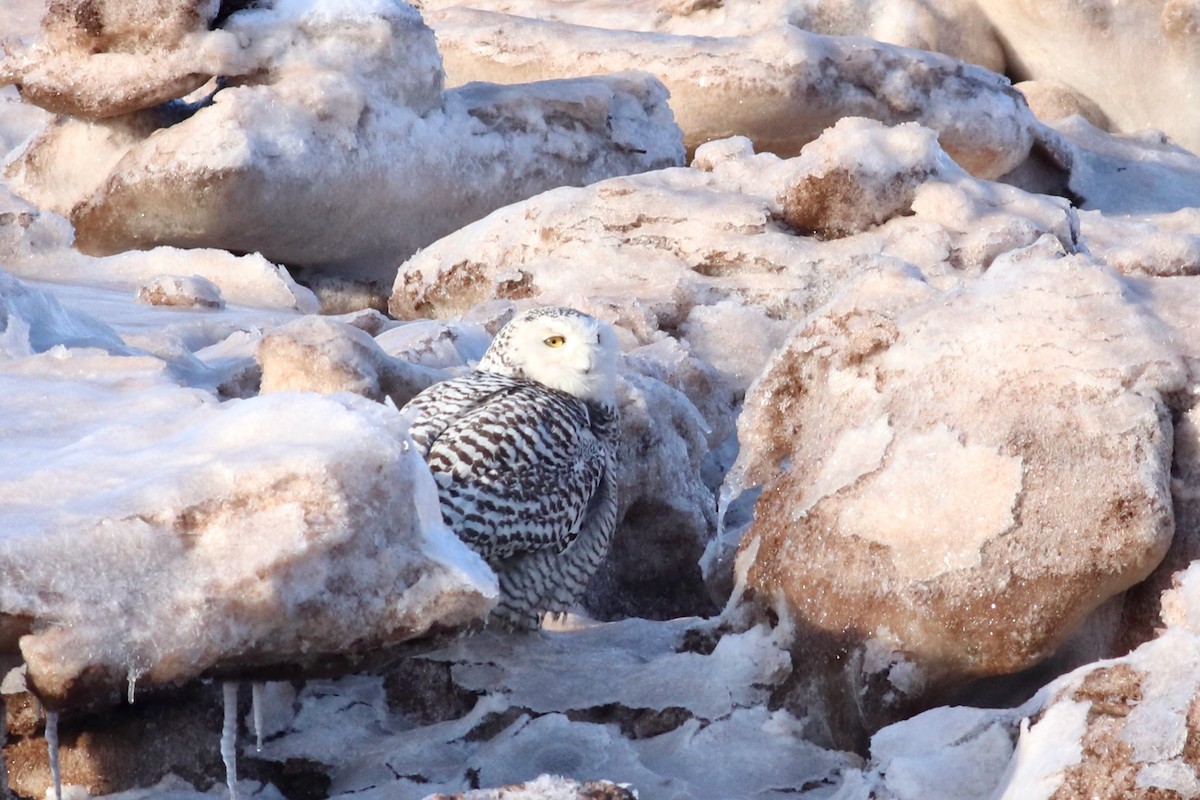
{"x":424,"y":691}
{"x":635,"y":723}
{"x":230,"y":7}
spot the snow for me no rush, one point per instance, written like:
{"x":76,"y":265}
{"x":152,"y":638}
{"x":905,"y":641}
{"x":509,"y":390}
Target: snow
{"x":156,"y":488}
{"x":203,"y":479}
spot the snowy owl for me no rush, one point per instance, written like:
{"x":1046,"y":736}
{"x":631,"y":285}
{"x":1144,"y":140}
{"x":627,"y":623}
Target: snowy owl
{"x":523,"y":451}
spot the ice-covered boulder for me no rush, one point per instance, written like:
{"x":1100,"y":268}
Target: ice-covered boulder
{"x":338,"y":148}
{"x":101,"y":58}
{"x":954,"y":27}
{"x":780,"y":86}
{"x":675,"y":250}
{"x":323,"y":355}
{"x":1111,"y":51}
{"x":950,"y":482}
{"x":150,"y":533}
{"x":1127,"y":727}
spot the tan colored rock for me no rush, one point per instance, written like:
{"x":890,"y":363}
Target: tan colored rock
{"x":263,"y":531}
{"x":1051,"y":100}
{"x":951,"y":483}
{"x":833,"y":197}
{"x":182,"y":292}
{"x":104,"y":58}
{"x":1111,"y":51}
{"x":780,"y":87}
{"x":318,"y":354}
{"x":673,"y":250}
{"x":954,"y":27}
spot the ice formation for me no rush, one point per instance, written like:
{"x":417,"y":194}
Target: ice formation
{"x":339,"y":116}
{"x":229,"y":731}
{"x":256,"y":712}
{"x":52,"y":751}
{"x":177,"y":497}
{"x":931,"y":365}
{"x":803,"y":82}
{"x":1102,"y":49}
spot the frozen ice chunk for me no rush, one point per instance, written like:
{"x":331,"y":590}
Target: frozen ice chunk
{"x":265,"y":530}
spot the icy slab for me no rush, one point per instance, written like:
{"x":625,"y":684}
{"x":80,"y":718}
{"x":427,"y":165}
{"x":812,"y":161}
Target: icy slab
{"x":952,"y":481}
{"x":780,"y":86}
{"x":620,"y":701}
{"x":1137,"y":173}
{"x":347,"y":98}
{"x":260,"y":531}
{"x":36,"y":244}
{"x":632,"y":663}
{"x":549,"y":787}
{"x":1101,"y":49}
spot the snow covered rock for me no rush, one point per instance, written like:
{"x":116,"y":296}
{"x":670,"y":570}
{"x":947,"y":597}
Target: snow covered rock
{"x":952,"y":481}
{"x":339,"y":149}
{"x":1125,"y":727}
{"x":548,"y":787}
{"x":1103,"y":49}
{"x":323,"y":355}
{"x":679,"y":250}
{"x":101,"y":58}
{"x":780,"y":86}
{"x":666,"y":513}
{"x":953,"y":27}
{"x":269,"y":530}
{"x":187,"y":292}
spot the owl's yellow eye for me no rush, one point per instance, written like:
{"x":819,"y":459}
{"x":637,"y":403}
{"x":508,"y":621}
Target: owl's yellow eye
{"x":555,"y":341}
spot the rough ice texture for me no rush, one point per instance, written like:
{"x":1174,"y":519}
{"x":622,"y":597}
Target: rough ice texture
{"x":628,"y":700}
{"x":1125,"y":727}
{"x":959,"y":478}
{"x":655,"y":248}
{"x":1128,"y":174}
{"x":1110,"y":51}
{"x":99,"y":58}
{"x":318,"y":354}
{"x":780,"y":86}
{"x":186,"y":292}
{"x":340,"y":151}
{"x":257,"y":531}
{"x":547,"y":787}
{"x":35,"y":244}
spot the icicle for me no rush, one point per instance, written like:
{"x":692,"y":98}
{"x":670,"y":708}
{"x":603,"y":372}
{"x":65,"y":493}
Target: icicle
{"x":229,"y":737}
{"x":133,"y":679}
{"x":256,"y":704}
{"x":52,"y":747}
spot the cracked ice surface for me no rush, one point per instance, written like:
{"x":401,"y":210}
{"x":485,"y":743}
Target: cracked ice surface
{"x":725,"y":743}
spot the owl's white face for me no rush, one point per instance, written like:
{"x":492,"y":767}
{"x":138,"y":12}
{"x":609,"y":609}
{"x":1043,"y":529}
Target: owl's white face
{"x":558,"y":347}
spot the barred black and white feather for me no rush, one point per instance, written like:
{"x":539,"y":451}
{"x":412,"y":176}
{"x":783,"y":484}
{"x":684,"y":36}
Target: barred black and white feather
{"x":523,"y":453}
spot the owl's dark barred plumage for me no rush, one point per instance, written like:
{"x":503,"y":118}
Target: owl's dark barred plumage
{"x":523,"y":451}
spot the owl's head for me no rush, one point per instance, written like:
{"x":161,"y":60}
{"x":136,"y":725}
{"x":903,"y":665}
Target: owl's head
{"x":557,"y":347}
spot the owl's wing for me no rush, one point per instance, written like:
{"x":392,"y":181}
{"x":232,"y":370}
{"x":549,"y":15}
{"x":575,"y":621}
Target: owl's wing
{"x":516,"y":468}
